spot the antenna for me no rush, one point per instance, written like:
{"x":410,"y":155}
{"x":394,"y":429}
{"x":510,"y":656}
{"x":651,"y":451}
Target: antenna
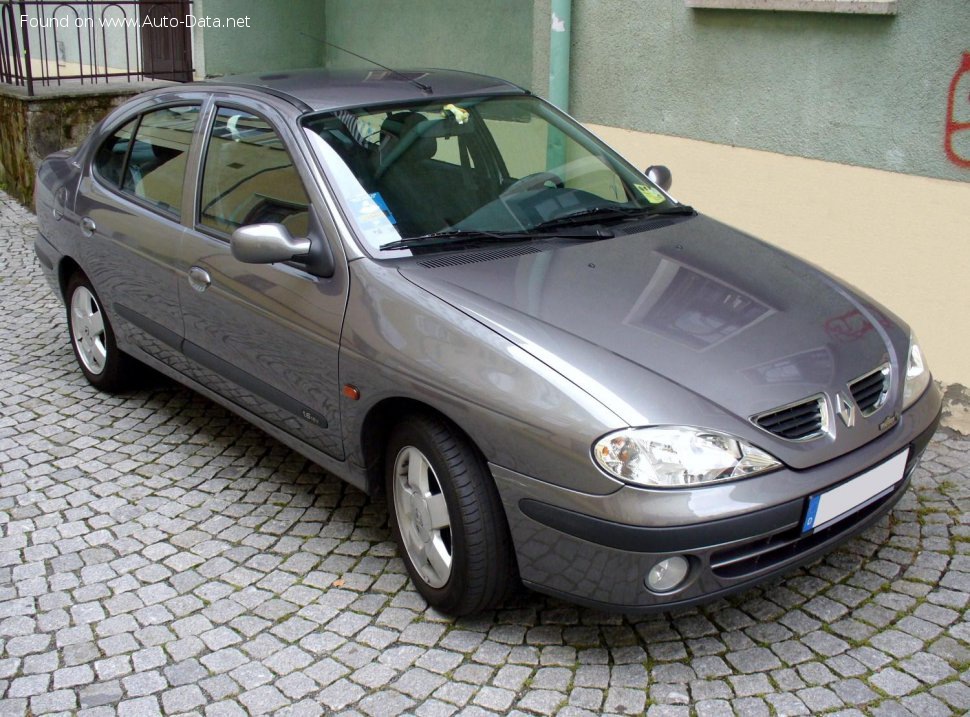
{"x":420,"y":85}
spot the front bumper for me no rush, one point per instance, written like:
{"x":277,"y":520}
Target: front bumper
{"x":565,"y":549}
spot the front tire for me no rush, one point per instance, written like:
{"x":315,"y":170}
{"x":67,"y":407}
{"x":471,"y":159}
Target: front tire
{"x":93,"y":340}
{"x":447,"y":518}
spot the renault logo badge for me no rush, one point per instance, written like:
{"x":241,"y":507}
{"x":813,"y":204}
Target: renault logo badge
{"x":845,"y":409}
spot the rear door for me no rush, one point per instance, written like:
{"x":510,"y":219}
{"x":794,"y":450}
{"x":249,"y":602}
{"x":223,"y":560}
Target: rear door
{"x":264,"y":336}
{"x":129,"y":208}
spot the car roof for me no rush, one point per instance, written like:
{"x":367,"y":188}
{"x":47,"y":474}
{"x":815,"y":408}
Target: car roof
{"x":326,"y":89}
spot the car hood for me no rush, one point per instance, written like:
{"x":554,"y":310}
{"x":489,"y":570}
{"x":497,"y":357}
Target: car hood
{"x":743,"y":325}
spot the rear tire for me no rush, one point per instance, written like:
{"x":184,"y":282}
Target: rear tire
{"x":447,"y":518}
{"x":93,"y":340}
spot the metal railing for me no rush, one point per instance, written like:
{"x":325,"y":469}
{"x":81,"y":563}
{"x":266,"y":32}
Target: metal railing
{"x":51,"y":42}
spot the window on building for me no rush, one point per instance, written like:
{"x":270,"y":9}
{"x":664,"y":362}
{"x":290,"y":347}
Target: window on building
{"x":859,"y":7}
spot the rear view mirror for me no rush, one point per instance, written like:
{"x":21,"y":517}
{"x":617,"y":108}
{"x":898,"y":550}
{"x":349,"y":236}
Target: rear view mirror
{"x":267,"y":244}
{"x":444,"y":127}
{"x":271,"y":243}
{"x":660,"y":175}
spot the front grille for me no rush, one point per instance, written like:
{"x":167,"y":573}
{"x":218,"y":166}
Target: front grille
{"x":772,"y":550}
{"x":738,"y":561}
{"x":769,"y":551}
{"x":870,"y":391}
{"x":800,"y":421}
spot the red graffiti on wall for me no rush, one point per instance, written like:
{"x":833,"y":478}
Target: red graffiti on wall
{"x":957,"y":139}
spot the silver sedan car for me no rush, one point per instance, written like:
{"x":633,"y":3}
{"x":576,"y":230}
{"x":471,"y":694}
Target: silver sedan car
{"x":437,"y":285}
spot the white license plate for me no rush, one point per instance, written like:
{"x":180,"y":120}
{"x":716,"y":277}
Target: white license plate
{"x":833,"y":504}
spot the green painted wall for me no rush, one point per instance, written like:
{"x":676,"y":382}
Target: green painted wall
{"x":866,"y":90}
{"x":493,"y":37}
{"x":858,"y":89}
{"x":271,"y":42}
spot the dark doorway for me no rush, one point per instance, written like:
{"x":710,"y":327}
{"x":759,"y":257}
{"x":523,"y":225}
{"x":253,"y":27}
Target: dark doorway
{"x":166,"y":49}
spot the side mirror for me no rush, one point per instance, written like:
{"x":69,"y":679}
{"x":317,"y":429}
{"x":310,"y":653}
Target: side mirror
{"x":267,"y":244}
{"x":661,"y":176}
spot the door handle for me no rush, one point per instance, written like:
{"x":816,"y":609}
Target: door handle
{"x":199,"y":278}
{"x":88,"y":226}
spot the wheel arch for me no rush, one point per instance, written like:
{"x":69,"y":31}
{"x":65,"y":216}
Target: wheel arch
{"x":65,"y":270}
{"x":376,"y":427}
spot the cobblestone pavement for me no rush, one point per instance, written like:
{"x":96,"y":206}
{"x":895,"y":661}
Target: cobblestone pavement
{"x":158,"y":555}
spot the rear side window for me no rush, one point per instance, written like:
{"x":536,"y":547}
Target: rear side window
{"x":110,"y":159}
{"x":249,"y":178}
{"x":146,"y":157}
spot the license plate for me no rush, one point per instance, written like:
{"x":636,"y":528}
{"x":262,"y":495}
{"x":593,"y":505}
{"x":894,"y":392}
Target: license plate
{"x":833,"y":504}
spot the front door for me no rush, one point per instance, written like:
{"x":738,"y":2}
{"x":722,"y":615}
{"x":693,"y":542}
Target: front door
{"x":166,"y":49}
{"x":265,"y":336}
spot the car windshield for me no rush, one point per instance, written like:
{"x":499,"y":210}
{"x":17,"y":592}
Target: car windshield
{"x":412,"y":178}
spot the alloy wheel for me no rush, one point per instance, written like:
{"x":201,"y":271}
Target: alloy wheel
{"x":422,"y":516}
{"x":87,"y":330}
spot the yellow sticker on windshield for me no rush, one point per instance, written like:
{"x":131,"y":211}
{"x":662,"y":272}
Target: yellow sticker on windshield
{"x":651,"y":194}
{"x":460,"y":115}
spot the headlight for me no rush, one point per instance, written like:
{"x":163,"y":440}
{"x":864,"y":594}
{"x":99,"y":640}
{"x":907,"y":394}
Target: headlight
{"x":917,"y":375}
{"x":673,"y":456}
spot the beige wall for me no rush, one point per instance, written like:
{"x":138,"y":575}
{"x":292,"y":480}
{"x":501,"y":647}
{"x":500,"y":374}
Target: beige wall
{"x":902,"y":239}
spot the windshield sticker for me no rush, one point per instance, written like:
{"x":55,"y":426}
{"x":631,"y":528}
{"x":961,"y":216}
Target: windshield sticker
{"x":372,"y":220}
{"x":652,"y":195}
{"x":373,"y":224}
{"x":379,"y":201}
{"x":460,"y":115}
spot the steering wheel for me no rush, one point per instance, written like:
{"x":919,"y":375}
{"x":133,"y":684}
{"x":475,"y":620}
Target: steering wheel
{"x":534,"y":181}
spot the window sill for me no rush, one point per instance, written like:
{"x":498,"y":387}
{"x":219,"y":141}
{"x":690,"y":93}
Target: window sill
{"x":857,"y":7}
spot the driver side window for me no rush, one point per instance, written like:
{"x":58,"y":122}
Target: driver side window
{"x":249,"y":178}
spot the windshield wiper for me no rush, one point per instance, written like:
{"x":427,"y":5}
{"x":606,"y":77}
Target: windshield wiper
{"x":453,"y":236}
{"x":597,"y":214}
{"x":473,"y":236}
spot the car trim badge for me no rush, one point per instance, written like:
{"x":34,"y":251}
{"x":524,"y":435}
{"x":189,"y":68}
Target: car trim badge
{"x":845,"y":409}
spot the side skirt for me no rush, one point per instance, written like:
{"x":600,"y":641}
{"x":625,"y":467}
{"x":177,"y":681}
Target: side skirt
{"x":341,"y":469}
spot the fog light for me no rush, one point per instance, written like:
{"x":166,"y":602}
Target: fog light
{"x":667,"y":574}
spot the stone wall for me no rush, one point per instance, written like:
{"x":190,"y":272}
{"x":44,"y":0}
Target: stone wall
{"x":33,"y":127}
